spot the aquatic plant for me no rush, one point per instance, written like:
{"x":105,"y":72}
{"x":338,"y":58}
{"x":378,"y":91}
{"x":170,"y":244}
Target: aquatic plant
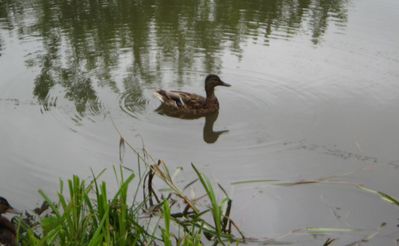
{"x":84,"y":213}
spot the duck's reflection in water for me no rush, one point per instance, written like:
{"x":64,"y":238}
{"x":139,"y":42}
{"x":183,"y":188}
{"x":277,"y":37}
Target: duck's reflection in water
{"x":209,"y":135}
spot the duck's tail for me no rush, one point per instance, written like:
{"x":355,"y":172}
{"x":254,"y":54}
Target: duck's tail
{"x":160,"y":94}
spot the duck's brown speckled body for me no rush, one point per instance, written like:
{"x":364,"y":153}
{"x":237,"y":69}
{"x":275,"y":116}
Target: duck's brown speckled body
{"x":7,"y":229}
{"x":180,"y":103}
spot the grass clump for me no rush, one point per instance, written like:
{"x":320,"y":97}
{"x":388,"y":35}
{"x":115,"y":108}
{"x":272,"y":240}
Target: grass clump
{"x":84,"y":213}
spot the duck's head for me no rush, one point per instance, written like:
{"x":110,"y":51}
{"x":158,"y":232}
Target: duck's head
{"x":5,"y":207}
{"x":213,"y":80}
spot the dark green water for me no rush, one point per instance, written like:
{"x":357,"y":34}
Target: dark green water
{"x":315,"y":95}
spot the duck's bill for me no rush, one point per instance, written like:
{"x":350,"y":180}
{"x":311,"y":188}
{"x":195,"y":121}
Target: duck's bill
{"x":225,"y":84}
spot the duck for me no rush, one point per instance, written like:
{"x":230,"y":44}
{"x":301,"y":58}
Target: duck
{"x":189,"y":105}
{"x":8,"y":231}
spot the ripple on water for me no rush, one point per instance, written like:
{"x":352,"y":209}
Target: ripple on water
{"x":132,"y":102}
{"x":242,"y":122}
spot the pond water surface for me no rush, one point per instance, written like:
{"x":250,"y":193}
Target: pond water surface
{"x":315,"y":95}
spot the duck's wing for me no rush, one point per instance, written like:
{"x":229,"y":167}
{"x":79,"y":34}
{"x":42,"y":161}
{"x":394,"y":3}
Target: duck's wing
{"x":168,"y":97}
{"x":190,"y":100}
{"x":180,"y":98}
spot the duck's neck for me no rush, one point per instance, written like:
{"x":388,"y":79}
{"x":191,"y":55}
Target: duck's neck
{"x":210,"y":93}
{"x":210,"y":96}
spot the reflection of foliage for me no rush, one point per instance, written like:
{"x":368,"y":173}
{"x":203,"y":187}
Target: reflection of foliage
{"x":43,"y":83}
{"x":79,"y":90}
{"x":320,"y":16}
{"x":85,"y":39}
{"x":1,"y":44}
{"x":3,"y":15}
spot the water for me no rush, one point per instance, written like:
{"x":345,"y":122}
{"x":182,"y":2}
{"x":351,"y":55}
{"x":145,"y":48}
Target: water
{"x":314,"y":96}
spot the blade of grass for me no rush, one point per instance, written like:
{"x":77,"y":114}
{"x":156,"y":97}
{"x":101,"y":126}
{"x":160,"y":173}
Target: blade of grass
{"x":215,"y":209}
{"x":166,"y":232}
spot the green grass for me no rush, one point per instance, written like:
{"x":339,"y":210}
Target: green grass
{"x":86,"y":213}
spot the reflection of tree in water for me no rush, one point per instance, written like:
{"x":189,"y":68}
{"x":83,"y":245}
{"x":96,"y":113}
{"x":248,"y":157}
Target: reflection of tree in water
{"x":1,"y":44}
{"x":7,"y":17}
{"x":3,"y":15}
{"x":77,"y":85}
{"x":84,"y":40}
{"x":79,"y":90}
